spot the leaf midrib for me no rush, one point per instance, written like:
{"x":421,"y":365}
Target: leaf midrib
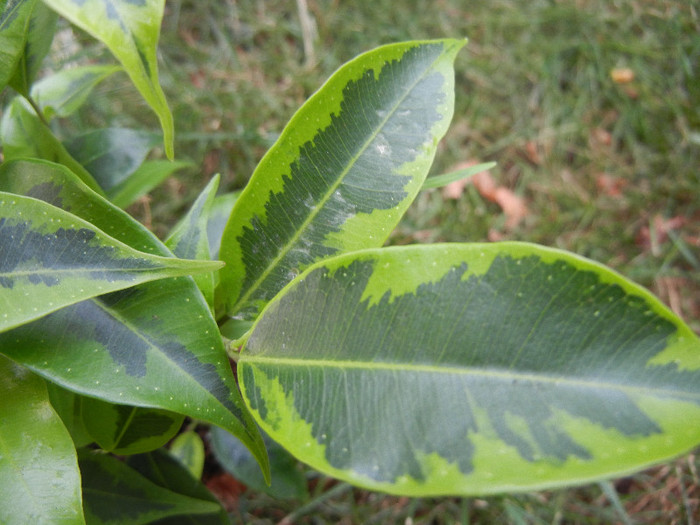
{"x":110,"y":312}
{"x":496,"y":374}
{"x":324,"y":200}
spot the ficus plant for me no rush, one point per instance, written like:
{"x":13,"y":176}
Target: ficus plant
{"x":425,"y":370}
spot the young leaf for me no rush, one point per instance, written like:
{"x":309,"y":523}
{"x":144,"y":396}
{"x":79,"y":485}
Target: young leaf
{"x":23,"y":134}
{"x":165,"y":471}
{"x":39,"y":478}
{"x":124,"y":430}
{"x":114,"y":493}
{"x":188,"y":449}
{"x":14,"y":22}
{"x":349,"y":162}
{"x":130,"y":29}
{"x":52,"y":259}
{"x":218,"y":216}
{"x":443,"y":180}
{"x":40,"y":31}
{"x":472,"y":369}
{"x":165,"y":325}
{"x":61,"y":94}
{"x":146,"y":177}
{"x":188,"y":239}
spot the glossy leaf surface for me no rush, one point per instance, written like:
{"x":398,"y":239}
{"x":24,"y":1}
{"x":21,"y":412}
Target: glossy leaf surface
{"x":218,"y":217}
{"x":39,"y":478}
{"x":472,"y":369}
{"x":130,"y":29}
{"x":14,"y":21}
{"x":155,"y":346}
{"x":188,"y":449}
{"x":114,"y":493}
{"x":146,"y":177}
{"x":61,"y":94}
{"x":22,"y":135}
{"x":51,"y":259}
{"x":67,"y":405}
{"x":124,"y":430}
{"x":189,"y":240}
{"x":343,"y":171}
{"x":42,"y":25}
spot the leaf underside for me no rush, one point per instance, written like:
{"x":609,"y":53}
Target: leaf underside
{"x":350,"y":161}
{"x":472,"y":369}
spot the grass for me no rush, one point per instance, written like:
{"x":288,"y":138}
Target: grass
{"x":607,"y":169}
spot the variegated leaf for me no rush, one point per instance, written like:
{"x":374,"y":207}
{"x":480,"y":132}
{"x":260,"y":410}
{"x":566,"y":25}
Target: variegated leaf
{"x":130,"y":29}
{"x":51,"y":259}
{"x":116,"y":494}
{"x":472,"y":369}
{"x":343,"y":171}
{"x":124,"y":430}
{"x":155,"y":345}
{"x":189,"y":239}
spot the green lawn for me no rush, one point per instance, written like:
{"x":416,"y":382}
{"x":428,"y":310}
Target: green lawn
{"x":591,"y":110}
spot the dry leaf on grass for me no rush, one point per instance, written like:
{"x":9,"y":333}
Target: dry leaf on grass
{"x":609,"y":185}
{"x":622,"y":75}
{"x":655,"y":234}
{"x":512,"y":205}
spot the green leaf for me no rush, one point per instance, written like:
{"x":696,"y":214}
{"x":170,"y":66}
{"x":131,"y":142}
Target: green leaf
{"x":288,"y":481}
{"x":124,"y":430}
{"x":63,"y":93}
{"x":130,"y":29}
{"x":52,"y":259}
{"x":443,"y":180}
{"x":146,"y":177}
{"x":164,"y":470}
{"x":42,"y":26}
{"x":23,"y":134}
{"x":472,"y":369}
{"x":39,"y":478}
{"x":349,"y":162}
{"x":218,"y":217}
{"x":59,"y":186}
{"x":188,"y":449}
{"x":14,"y":22}
{"x":67,"y":405}
{"x":111,"y":154}
{"x":188,"y":239}
{"x":154,"y":345}
{"x":114,"y":493}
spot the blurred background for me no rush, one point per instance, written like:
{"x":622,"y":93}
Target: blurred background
{"x":591,"y":109}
